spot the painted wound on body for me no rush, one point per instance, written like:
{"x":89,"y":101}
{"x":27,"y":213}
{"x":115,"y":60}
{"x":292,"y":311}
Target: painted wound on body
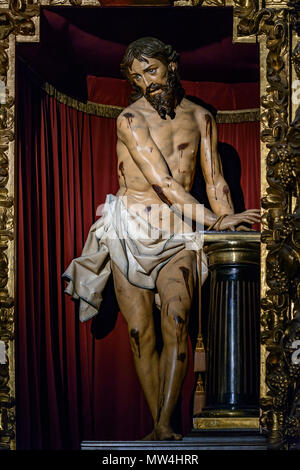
{"x":121,"y":168}
{"x":179,"y":322}
{"x":161,"y":194}
{"x":129,"y":117}
{"x":181,"y":148}
{"x":135,"y":335}
{"x":181,"y":357}
{"x":208,"y":133}
{"x":185,"y":274}
{"x":226,"y":192}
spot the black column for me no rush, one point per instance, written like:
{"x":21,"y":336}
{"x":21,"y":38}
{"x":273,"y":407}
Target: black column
{"x":232,"y":379}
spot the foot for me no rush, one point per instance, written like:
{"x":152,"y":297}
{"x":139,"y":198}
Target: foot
{"x":150,"y":437}
{"x":166,"y":433}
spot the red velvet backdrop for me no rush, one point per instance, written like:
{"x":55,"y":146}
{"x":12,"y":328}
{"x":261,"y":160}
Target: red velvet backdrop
{"x":70,"y":387}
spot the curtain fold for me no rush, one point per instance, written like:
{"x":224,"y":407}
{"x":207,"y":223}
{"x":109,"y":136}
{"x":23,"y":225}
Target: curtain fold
{"x":71,"y":387}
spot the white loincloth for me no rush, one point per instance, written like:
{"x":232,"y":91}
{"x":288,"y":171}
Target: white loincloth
{"x":122,"y":236}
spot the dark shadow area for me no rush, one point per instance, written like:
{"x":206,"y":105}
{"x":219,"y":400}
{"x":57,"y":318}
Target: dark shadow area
{"x":104,"y":322}
{"x":77,"y":42}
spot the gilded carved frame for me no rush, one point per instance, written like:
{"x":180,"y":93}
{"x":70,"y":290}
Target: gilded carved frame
{"x":275,"y":24}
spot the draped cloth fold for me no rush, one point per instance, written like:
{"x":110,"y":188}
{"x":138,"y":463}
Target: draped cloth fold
{"x":122,"y":236}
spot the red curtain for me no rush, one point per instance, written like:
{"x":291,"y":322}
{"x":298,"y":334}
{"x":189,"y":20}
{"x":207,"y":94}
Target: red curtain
{"x":69,"y":386}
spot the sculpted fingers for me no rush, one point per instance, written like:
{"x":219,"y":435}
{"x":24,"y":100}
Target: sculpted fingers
{"x":251,"y":216}
{"x":250,"y":219}
{"x":253,"y":213}
{"x":229,"y":222}
{"x":243,"y":228}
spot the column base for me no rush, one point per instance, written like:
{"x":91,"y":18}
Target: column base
{"x":226,"y":419}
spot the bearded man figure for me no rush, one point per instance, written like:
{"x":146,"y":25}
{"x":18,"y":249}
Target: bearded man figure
{"x":158,"y":138}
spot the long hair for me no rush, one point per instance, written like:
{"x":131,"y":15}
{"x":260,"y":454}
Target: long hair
{"x":141,"y":49}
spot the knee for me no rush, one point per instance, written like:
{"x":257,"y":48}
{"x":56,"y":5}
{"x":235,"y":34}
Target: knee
{"x":174,"y":323}
{"x":141,"y":336}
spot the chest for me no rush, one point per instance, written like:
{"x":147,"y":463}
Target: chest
{"x":177,"y":139}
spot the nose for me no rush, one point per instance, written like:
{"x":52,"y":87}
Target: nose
{"x":147,"y":81}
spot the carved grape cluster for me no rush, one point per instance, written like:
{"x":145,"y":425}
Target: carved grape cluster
{"x":277,"y":378}
{"x":279,"y":382}
{"x":288,"y":225}
{"x":6,"y":315}
{"x":294,"y":372}
{"x":292,"y":426}
{"x":283,"y":224}
{"x":286,"y":172}
{"x":277,"y":277}
{"x":282,"y":165}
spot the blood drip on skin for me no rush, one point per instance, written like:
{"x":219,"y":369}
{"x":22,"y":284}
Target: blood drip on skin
{"x":135,"y":335}
{"x":179,"y":322}
{"x":161,"y":194}
{"x":121,"y":168}
{"x":226,"y":193}
{"x":209,"y":134}
{"x":185,"y":273}
{"x":181,"y":148}
{"x":167,"y":312}
{"x":181,"y":357}
{"x":129,"y":117}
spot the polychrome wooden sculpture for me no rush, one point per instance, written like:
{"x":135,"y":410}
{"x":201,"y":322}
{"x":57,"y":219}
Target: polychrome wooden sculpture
{"x":146,"y":236}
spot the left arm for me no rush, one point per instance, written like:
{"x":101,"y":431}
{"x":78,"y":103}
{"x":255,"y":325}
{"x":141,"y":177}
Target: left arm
{"x":216,"y":187}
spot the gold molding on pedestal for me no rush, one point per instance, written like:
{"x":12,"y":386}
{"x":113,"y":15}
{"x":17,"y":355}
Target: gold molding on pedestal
{"x":254,"y":20}
{"x":225,"y":423}
{"x":233,"y":251}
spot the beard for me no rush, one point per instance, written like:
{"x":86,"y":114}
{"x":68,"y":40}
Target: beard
{"x":169,"y":97}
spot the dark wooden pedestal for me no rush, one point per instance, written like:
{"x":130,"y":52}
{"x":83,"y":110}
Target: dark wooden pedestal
{"x":232,"y":377}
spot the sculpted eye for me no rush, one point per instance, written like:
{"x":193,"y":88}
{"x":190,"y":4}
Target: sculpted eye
{"x":151,"y":70}
{"x":138,"y":77}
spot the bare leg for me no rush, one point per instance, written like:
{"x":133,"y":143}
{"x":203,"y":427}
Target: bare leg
{"x":136,"y":305}
{"x":175,"y":285}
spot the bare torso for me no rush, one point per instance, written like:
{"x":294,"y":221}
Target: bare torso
{"x":178,"y":142}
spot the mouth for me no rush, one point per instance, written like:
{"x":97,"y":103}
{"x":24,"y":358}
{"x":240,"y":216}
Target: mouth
{"x":155,"y":92}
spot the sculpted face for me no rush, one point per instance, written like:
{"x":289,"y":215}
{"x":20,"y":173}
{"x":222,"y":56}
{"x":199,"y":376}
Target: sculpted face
{"x":158,"y":83}
{"x":149,"y":75}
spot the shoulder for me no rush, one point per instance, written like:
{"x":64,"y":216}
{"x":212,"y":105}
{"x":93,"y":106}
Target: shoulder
{"x":132,"y":125}
{"x":200,"y":113}
{"x":133,"y":111}
{"x":130,"y":116}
